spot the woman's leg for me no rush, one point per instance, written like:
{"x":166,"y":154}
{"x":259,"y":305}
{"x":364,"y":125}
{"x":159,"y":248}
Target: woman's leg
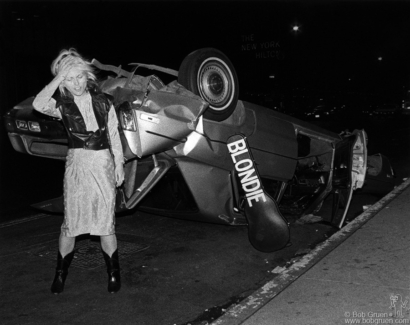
{"x":109,"y":244}
{"x":66,"y":244}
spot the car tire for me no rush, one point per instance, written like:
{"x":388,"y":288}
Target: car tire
{"x":209,"y":74}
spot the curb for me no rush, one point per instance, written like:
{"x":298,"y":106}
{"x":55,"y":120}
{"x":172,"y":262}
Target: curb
{"x":237,"y":314}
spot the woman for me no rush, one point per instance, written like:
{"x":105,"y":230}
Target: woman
{"x":94,"y":164}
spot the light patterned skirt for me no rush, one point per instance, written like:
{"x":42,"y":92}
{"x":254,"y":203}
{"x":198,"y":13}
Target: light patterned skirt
{"x":89,"y":193}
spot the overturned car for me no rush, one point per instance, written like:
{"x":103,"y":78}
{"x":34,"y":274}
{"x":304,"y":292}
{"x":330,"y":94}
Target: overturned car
{"x":194,"y":150}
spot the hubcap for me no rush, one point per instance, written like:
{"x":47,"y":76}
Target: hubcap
{"x":214,"y":85}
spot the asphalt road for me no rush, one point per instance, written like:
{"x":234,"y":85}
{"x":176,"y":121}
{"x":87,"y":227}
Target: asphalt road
{"x":173,"y":271}
{"x":184,"y":273}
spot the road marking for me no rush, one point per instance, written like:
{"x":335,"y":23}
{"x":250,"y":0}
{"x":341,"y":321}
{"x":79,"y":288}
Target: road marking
{"x":30,"y":218}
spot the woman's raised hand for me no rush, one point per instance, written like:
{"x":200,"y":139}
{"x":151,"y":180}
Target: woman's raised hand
{"x":65,"y":65}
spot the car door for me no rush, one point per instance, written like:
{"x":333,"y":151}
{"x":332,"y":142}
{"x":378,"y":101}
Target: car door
{"x":349,"y":172}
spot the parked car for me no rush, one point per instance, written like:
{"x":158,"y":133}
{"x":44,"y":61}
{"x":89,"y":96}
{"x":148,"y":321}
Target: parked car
{"x":194,"y":150}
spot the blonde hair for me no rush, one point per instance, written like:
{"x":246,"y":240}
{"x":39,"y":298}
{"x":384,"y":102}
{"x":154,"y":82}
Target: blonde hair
{"x":79,"y":62}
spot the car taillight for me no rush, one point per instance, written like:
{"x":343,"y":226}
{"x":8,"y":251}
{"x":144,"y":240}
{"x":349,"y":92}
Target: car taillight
{"x":34,"y":126}
{"x":21,"y":125}
{"x":127,"y":120}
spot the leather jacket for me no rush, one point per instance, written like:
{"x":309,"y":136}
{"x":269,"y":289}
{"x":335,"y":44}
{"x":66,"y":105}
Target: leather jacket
{"x":78,"y":136}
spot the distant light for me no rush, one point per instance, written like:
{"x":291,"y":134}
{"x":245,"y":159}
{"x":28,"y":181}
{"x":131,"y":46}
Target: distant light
{"x":272,"y":77}
{"x":380,"y":58}
{"x":295,"y":28}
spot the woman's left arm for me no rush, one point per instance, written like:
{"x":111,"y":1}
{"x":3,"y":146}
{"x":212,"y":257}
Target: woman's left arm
{"x":116,"y":146}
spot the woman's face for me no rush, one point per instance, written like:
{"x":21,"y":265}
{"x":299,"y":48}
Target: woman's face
{"x":76,"y":81}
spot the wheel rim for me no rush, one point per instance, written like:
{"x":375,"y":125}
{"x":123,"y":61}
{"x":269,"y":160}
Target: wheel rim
{"x":216,"y":84}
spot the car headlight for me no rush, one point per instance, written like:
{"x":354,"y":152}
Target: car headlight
{"x":127,"y":120}
{"x":21,"y":125}
{"x":34,"y":126}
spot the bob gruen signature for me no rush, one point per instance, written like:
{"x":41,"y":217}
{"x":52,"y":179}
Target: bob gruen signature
{"x":250,"y":181}
{"x":398,"y":304}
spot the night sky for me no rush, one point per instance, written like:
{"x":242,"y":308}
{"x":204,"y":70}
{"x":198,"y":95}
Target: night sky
{"x":359,"y":46}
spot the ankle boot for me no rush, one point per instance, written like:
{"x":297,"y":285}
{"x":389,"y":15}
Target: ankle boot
{"x":61,"y":272}
{"x":113,"y":270}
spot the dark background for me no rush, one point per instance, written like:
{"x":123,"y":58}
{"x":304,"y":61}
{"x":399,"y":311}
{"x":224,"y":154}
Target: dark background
{"x":337,"y":41}
{"x":353,"y":51}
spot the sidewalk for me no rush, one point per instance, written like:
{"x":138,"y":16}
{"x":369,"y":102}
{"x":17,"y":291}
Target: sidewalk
{"x":360,"y":275}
